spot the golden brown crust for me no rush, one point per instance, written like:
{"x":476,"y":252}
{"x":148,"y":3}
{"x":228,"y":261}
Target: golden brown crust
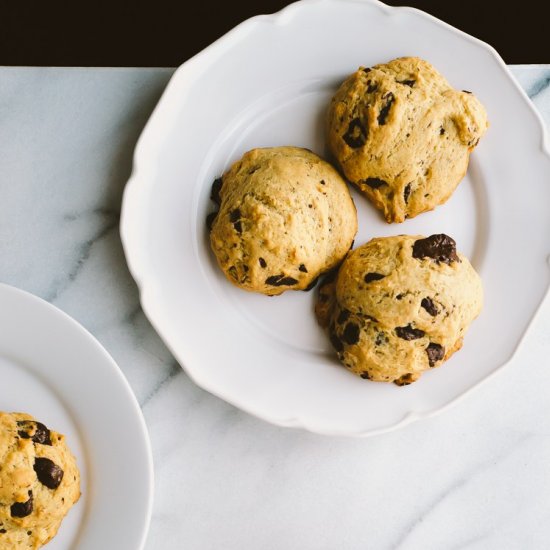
{"x":403,"y":136}
{"x":39,"y":482}
{"x":286,"y":216}
{"x":392,"y":314}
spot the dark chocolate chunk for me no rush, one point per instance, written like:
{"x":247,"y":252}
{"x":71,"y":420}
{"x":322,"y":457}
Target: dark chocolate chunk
{"x":263,"y":263}
{"x":410,"y":83}
{"x":351,"y":334}
{"x":383,"y":115}
{"x":367,"y":69}
{"x":322,"y":182}
{"x":233,"y":272}
{"x":441,"y":131}
{"x":374,"y":183}
{"x":2,"y":531}
{"x":356,"y":134}
{"x":343,"y":317}
{"x":22,"y":509}
{"x":371,"y":86}
{"x":399,"y":297}
{"x":41,"y":432}
{"x":407,"y":192}
{"x":303,"y":268}
{"x":404,"y":380}
{"x":365,"y":375}
{"x":440,"y":248}
{"x":369,"y":277}
{"x":336,"y":343}
{"x":409,"y":333}
{"x":280,"y":280}
{"x":429,"y":306}
{"x":47,"y":472}
{"x":436,"y":352}
{"x":234,"y":218}
{"x":312,"y":285}
{"x":210,"y":220}
{"x":215,"y":191}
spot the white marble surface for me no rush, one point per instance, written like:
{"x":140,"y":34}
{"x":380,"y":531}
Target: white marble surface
{"x":475,"y":477}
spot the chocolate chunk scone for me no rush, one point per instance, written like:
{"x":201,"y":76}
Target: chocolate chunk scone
{"x":399,"y":306}
{"x":39,"y":482}
{"x":403,"y":136}
{"x":285,"y":216}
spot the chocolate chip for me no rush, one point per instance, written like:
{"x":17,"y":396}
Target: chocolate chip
{"x":280,"y":280}
{"x":311,"y":286}
{"x":47,"y":472}
{"x":383,"y":115}
{"x":404,"y":380}
{"x":303,"y":268}
{"x":440,"y":248}
{"x":407,"y":192}
{"x":375,"y":183}
{"x":322,"y":182}
{"x":410,"y":83}
{"x":22,"y":509}
{"x":210,"y":220}
{"x":2,"y":531}
{"x":399,"y":297}
{"x":343,"y":317}
{"x":234,"y":217}
{"x":371,"y":86}
{"x":41,"y":433}
{"x":336,"y":343}
{"x":262,"y":263}
{"x":365,"y":375}
{"x":441,"y":131}
{"x":429,"y":306}
{"x":215,"y":191}
{"x":356,"y":134}
{"x":369,"y":277}
{"x":351,"y":334}
{"x":436,"y":352}
{"x":409,"y":333}
{"x":366,"y":69}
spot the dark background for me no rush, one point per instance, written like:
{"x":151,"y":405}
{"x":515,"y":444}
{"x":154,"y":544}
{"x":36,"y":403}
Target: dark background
{"x":166,"y":33}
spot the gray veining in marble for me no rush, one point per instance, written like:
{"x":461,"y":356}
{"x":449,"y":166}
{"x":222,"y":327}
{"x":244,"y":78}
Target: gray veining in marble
{"x":475,"y":477}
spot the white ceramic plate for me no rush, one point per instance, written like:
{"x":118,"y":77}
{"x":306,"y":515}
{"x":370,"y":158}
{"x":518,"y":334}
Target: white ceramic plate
{"x":54,"y":369}
{"x":268,"y":83}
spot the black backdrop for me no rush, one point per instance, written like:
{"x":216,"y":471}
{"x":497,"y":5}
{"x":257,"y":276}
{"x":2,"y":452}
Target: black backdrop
{"x":166,"y":33}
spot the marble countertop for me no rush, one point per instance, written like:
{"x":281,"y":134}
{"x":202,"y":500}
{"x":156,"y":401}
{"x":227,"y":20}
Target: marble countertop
{"x":474,"y":477}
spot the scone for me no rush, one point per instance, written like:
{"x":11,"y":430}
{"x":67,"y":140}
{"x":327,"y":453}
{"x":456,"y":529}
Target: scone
{"x":39,"y":482}
{"x":285,"y":216}
{"x":403,"y":136}
{"x":399,"y":306}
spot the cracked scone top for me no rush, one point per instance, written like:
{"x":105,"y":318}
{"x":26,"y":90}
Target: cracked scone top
{"x":285,"y":216}
{"x":403,"y":136}
{"x":399,"y":306}
{"x":39,"y":482}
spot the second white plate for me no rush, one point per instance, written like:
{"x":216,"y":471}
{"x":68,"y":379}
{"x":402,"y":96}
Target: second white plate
{"x":267,"y":83}
{"x":55,"y":370}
